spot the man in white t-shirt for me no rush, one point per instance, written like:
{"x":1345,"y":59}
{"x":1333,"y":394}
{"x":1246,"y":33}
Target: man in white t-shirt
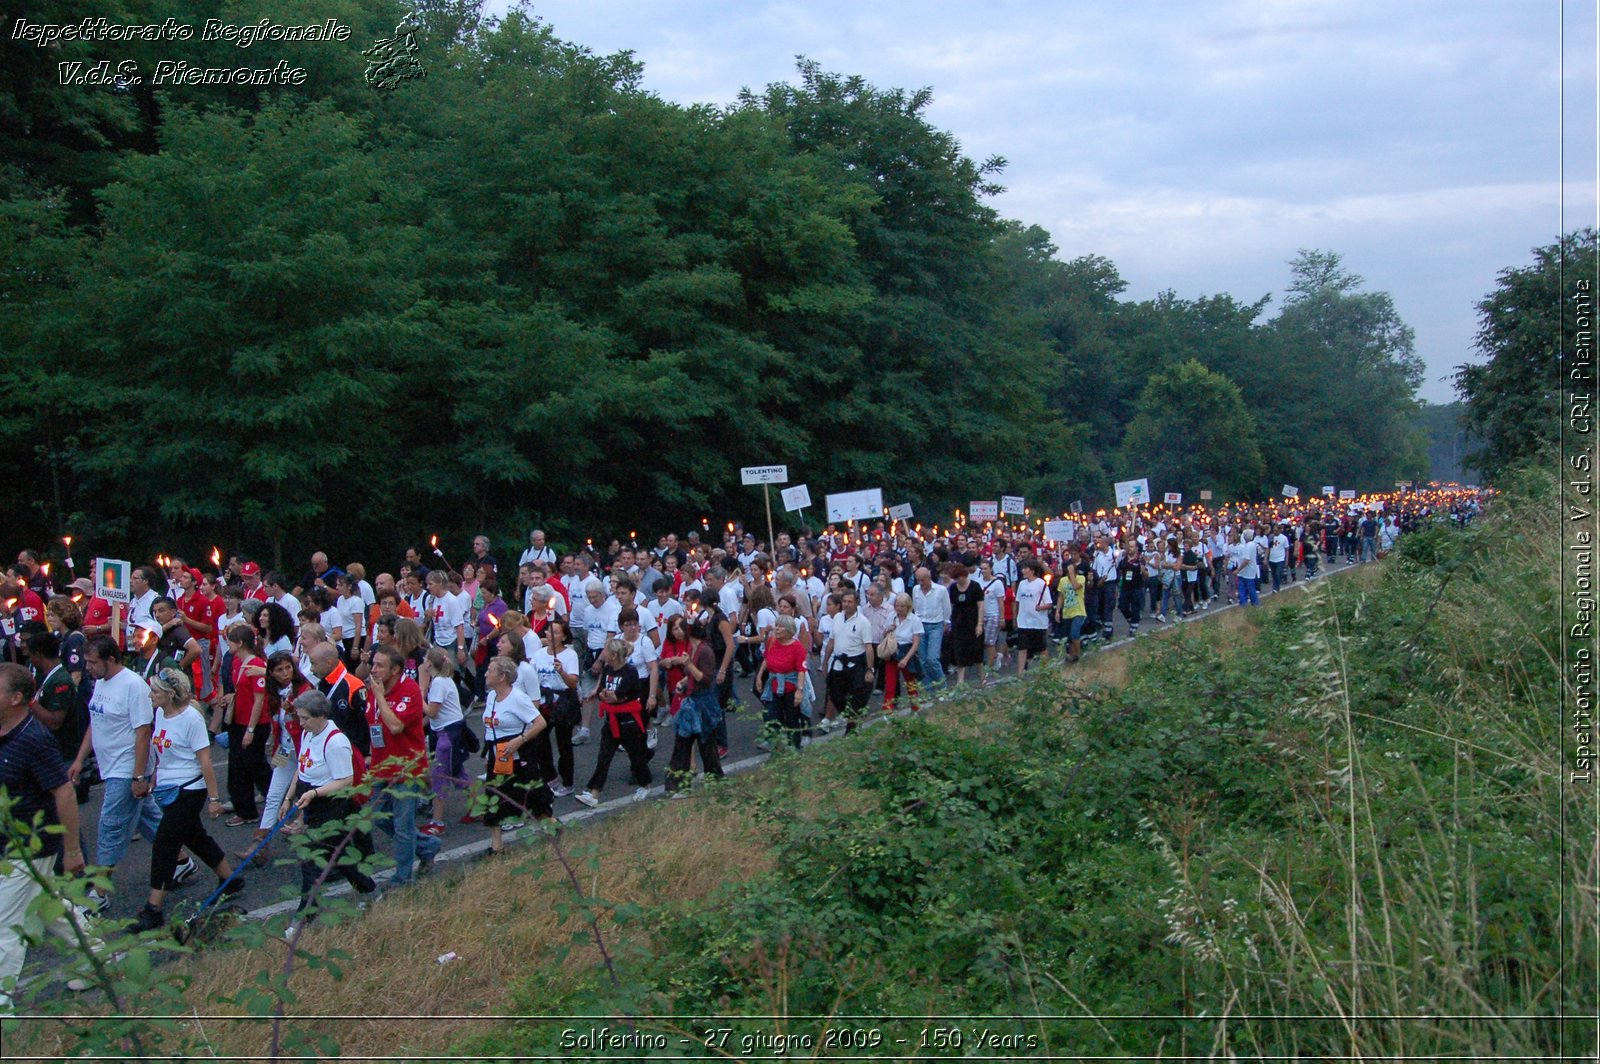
{"x":120,"y":721}
{"x":445,"y":622}
{"x":931,"y":603}
{"x":1277,"y":553}
{"x":143,"y":598}
{"x":537,"y":550}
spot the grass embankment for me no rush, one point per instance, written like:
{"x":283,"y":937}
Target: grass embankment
{"x":1346,"y":807}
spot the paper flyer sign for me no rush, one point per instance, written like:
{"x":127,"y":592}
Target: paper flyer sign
{"x":901,"y":512}
{"x":1013,"y":504}
{"x":1328,"y":489}
{"x":111,"y":579}
{"x":764,"y":474}
{"x":855,"y":505}
{"x":1133,"y":492}
{"x":797,"y":497}
{"x":1291,"y":492}
{"x":1205,"y":496}
{"x":1060,"y":531}
{"x":979,"y":510}
{"x":1348,"y":493}
{"x":1172,"y":498}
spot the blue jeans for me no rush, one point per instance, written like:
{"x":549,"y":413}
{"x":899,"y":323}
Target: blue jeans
{"x":396,"y":806}
{"x":1369,"y":549}
{"x":928,"y":653}
{"x":1277,"y":575}
{"x":120,"y":813}
{"x":1247,"y":592}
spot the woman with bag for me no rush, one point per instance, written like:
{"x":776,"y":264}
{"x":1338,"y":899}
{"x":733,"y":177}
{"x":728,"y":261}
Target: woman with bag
{"x":898,"y":653}
{"x":779,"y":679}
{"x":557,"y":665}
{"x":510,"y":722}
{"x":699,"y":714}
{"x":622,"y":694}
{"x":284,"y":682}
{"x":185,"y":785}
{"x":447,"y":727}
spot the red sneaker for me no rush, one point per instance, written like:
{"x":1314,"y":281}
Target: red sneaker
{"x":470,"y":819}
{"x":434,"y":828}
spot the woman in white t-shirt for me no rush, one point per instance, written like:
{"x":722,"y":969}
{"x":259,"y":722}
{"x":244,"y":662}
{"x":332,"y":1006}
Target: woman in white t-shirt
{"x":559,"y":670}
{"x":907,"y":632}
{"x":994,"y":596}
{"x":510,"y":722}
{"x":185,"y":785}
{"x":447,"y":726}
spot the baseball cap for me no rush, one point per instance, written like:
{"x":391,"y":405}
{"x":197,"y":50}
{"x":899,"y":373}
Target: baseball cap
{"x":251,"y":569}
{"x":84,"y":584}
{"x":148,"y":625}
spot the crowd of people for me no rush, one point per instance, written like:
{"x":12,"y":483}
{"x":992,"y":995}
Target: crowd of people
{"x":343,"y":676}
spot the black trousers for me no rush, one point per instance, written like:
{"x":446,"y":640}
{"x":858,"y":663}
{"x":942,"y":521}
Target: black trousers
{"x":181,"y":827}
{"x":328,"y":810}
{"x":249,"y":771}
{"x":555,"y":763}
{"x":680,"y":770}
{"x":847,"y":687}
{"x":632,"y":740}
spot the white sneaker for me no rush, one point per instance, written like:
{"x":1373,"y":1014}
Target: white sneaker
{"x":560,"y":790}
{"x":762,"y":744}
{"x":675,"y":795}
{"x":580,"y":736}
{"x":78,"y":983}
{"x":641,"y":794}
{"x":652,"y":737}
{"x":101,"y":902}
{"x":184,"y":872}
{"x":370,"y":899}
{"x":588,"y":798}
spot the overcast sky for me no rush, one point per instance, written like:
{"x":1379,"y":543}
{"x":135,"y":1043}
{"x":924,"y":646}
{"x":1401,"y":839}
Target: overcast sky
{"x":1199,"y":146}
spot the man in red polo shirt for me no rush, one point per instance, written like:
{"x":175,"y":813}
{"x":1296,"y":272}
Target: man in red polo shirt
{"x":398,"y":764}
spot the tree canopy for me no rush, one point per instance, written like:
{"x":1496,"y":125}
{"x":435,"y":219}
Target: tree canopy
{"x":1528,"y":328}
{"x":527,"y":290}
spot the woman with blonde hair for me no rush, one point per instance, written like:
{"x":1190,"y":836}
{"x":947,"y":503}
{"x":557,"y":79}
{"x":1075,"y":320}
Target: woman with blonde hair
{"x":622,"y":694}
{"x":185,"y":786}
{"x":900,"y":659}
{"x":510,"y":722}
{"x":410,"y":641}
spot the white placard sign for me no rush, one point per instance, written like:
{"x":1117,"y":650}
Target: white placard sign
{"x":1348,"y":493}
{"x":1060,"y":531}
{"x":111,"y":579}
{"x":1291,"y":492}
{"x":856,"y":505}
{"x":764,"y":474}
{"x":1133,"y":492}
{"x":797,"y":497}
{"x":1328,"y":489}
{"x":980,"y":510}
{"x":1205,"y":496}
{"x":1013,"y":504}
{"x":901,"y":512}
{"x":1172,"y":498}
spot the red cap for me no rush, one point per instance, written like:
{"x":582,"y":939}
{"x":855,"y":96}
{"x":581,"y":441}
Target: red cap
{"x":251,"y":569}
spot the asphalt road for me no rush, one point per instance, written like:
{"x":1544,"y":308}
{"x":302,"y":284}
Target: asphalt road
{"x":265,"y":887}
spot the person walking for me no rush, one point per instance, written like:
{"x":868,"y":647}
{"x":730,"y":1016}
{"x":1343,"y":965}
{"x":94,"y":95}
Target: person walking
{"x":622,"y":693}
{"x":186,"y":787}
{"x":321,"y":794}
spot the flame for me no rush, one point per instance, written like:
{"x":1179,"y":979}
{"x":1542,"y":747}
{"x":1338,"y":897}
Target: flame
{"x":433,"y":541}
{"x":494,"y":622}
{"x":216,"y":557}
{"x":46,"y":568}
{"x":77,"y":596}
{"x":68,"y":541}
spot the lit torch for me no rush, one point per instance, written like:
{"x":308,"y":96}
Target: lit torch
{"x":68,"y":541}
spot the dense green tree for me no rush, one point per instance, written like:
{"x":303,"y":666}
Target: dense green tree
{"x":1348,"y":374}
{"x":1528,"y":329}
{"x":1193,"y":433}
